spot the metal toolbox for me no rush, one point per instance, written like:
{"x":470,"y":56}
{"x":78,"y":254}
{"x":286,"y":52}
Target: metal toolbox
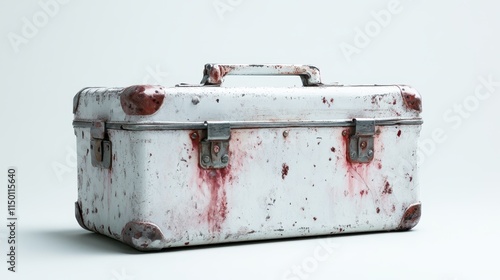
{"x":202,"y":164}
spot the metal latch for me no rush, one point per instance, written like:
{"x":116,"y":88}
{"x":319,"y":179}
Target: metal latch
{"x":100,"y":146}
{"x":361,"y":143}
{"x":214,"y":152}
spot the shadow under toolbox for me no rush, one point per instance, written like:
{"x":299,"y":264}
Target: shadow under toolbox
{"x":202,"y":164}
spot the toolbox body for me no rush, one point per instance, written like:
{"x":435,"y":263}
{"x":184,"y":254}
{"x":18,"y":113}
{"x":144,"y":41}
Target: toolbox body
{"x":203,"y":164}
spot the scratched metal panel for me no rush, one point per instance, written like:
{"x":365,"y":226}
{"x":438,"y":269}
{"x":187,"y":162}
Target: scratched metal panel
{"x":274,"y":187}
{"x":279,"y":182}
{"x":255,"y":104}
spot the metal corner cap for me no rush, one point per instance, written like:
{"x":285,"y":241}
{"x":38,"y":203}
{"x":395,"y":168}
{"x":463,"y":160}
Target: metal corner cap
{"x":76,"y":100}
{"x":411,"y":98}
{"x":142,"y":100}
{"x":143,"y":236}
{"x":411,"y":217}
{"x":78,"y":216}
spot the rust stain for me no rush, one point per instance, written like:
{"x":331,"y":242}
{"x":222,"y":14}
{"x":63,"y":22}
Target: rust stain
{"x":142,"y":99}
{"x":284,"y":170}
{"x":78,"y":215}
{"x":411,"y":217}
{"x":216,"y":181}
{"x":399,"y":133}
{"x":387,"y":188}
{"x":327,"y":102}
{"x":411,"y":99}
{"x":357,"y":173}
{"x":141,"y":235}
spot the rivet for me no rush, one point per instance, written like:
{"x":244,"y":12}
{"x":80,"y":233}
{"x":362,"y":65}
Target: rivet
{"x":370,"y":153}
{"x":206,"y":159}
{"x":363,"y":144}
{"x":344,"y":133}
{"x":225,"y":159}
{"x":194,"y":135}
{"x":195,"y":100}
{"x":216,"y":149}
{"x":286,"y":133}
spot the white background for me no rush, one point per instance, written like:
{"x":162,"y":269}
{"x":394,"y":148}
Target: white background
{"x":442,"y":48}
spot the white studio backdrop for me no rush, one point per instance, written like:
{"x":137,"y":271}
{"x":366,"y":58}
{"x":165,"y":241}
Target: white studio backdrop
{"x":448,"y":50}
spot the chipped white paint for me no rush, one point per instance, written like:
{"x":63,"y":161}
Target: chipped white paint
{"x":278,"y":184}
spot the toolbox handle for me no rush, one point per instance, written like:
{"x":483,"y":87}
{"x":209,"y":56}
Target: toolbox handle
{"x":213,"y":74}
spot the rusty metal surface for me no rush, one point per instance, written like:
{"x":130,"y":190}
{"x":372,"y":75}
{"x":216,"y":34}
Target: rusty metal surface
{"x":411,"y":98}
{"x":411,"y":217}
{"x":78,"y":216}
{"x":213,"y":74}
{"x":143,"y":236}
{"x":268,"y":190}
{"x":280,"y":181}
{"x":142,"y":99}
{"x":249,"y":104}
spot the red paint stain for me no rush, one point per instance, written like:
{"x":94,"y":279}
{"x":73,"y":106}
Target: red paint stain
{"x":378,"y":210}
{"x":142,"y":99}
{"x":399,"y":133}
{"x":215,"y":180}
{"x":379,"y":165}
{"x":412,"y":101}
{"x":332,"y":149}
{"x":214,"y":183}
{"x":357,"y":173}
{"x":284,"y":170}
{"x":195,"y":142}
{"x":186,"y":243}
{"x":411,"y":178}
{"x":325,"y":101}
{"x":387,"y":188}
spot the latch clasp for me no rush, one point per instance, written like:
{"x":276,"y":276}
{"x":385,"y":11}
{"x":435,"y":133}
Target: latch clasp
{"x":361,"y":143}
{"x":214,"y":152}
{"x":100,"y":145}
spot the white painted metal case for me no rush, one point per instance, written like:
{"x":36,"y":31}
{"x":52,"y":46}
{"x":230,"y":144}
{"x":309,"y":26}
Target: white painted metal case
{"x":203,"y":164}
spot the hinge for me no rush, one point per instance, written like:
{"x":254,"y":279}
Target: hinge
{"x":214,"y":152}
{"x":361,"y":143}
{"x":100,"y":145}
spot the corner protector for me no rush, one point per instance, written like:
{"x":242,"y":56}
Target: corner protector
{"x":411,"y":217}
{"x":76,"y":100}
{"x":78,"y":216}
{"x":411,"y":98}
{"x":143,"y":236}
{"x":142,"y":100}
